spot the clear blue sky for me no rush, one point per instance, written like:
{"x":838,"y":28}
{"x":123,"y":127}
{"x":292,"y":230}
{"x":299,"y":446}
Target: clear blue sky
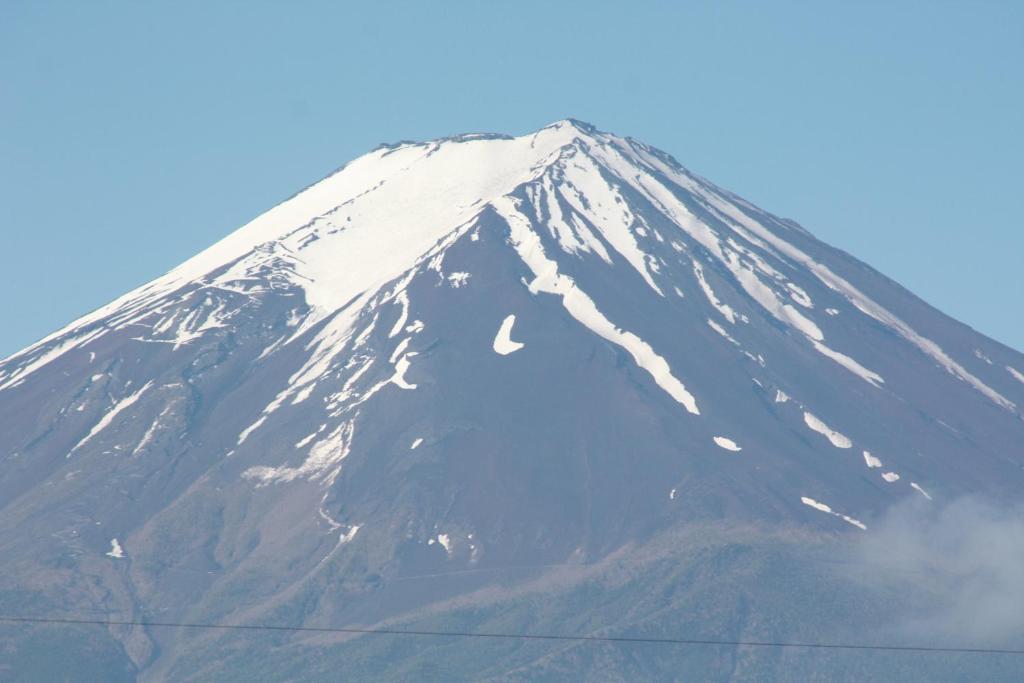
{"x":134,"y":134}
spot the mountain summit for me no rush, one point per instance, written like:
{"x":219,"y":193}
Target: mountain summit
{"x":553,"y":383}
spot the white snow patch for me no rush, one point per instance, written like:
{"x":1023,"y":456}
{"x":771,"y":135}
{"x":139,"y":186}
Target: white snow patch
{"x":331,"y":522}
{"x":672,"y":494}
{"x":1017,"y":374}
{"x":837,"y":439}
{"x":890,"y":477}
{"x":825,"y":508}
{"x":503,"y":343}
{"x":189,"y":330}
{"x":920,"y":490}
{"x":398,"y":379}
{"x":107,"y":418}
{"x":323,"y":461}
{"x":400,"y":358}
{"x":403,"y":300}
{"x":347,"y":389}
{"x":799,"y":295}
{"x":781,"y":396}
{"x":416,"y":443}
{"x":349,"y":535}
{"x":305,"y":440}
{"x":250,"y":429}
{"x":871,"y":461}
{"x":727,"y":444}
{"x":116,"y":551}
{"x":151,"y":432}
{"x":399,"y":350}
{"x":343,"y":538}
{"x":445,"y":542}
{"x":832,"y":311}
{"x":458,"y":279}
{"x":724,"y":309}
{"x":304,"y":393}
{"x":361,"y":340}
{"x":721,"y":330}
{"x":815,"y":504}
{"x":850,"y":364}
{"x":436,"y":263}
{"x":981,"y":356}
{"x":281,"y":341}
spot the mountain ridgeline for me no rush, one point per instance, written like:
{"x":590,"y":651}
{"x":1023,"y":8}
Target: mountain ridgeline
{"x":548,"y":384}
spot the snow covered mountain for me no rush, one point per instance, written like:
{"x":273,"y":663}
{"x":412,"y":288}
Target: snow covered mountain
{"x":553,"y":383}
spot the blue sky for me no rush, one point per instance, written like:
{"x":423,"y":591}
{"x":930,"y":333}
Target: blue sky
{"x":133,"y":134}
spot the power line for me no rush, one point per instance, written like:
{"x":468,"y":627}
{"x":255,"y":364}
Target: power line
{"x":520,"y":636}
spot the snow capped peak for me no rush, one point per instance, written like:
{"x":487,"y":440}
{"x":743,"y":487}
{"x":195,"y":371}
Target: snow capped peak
{"x":400,"y":207}
{"x":351,"y":231}
{"x":363,"y":209}
{"x":577,"y":124}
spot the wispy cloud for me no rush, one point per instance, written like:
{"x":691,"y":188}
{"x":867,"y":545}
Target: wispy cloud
{"x":959,"y":567}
